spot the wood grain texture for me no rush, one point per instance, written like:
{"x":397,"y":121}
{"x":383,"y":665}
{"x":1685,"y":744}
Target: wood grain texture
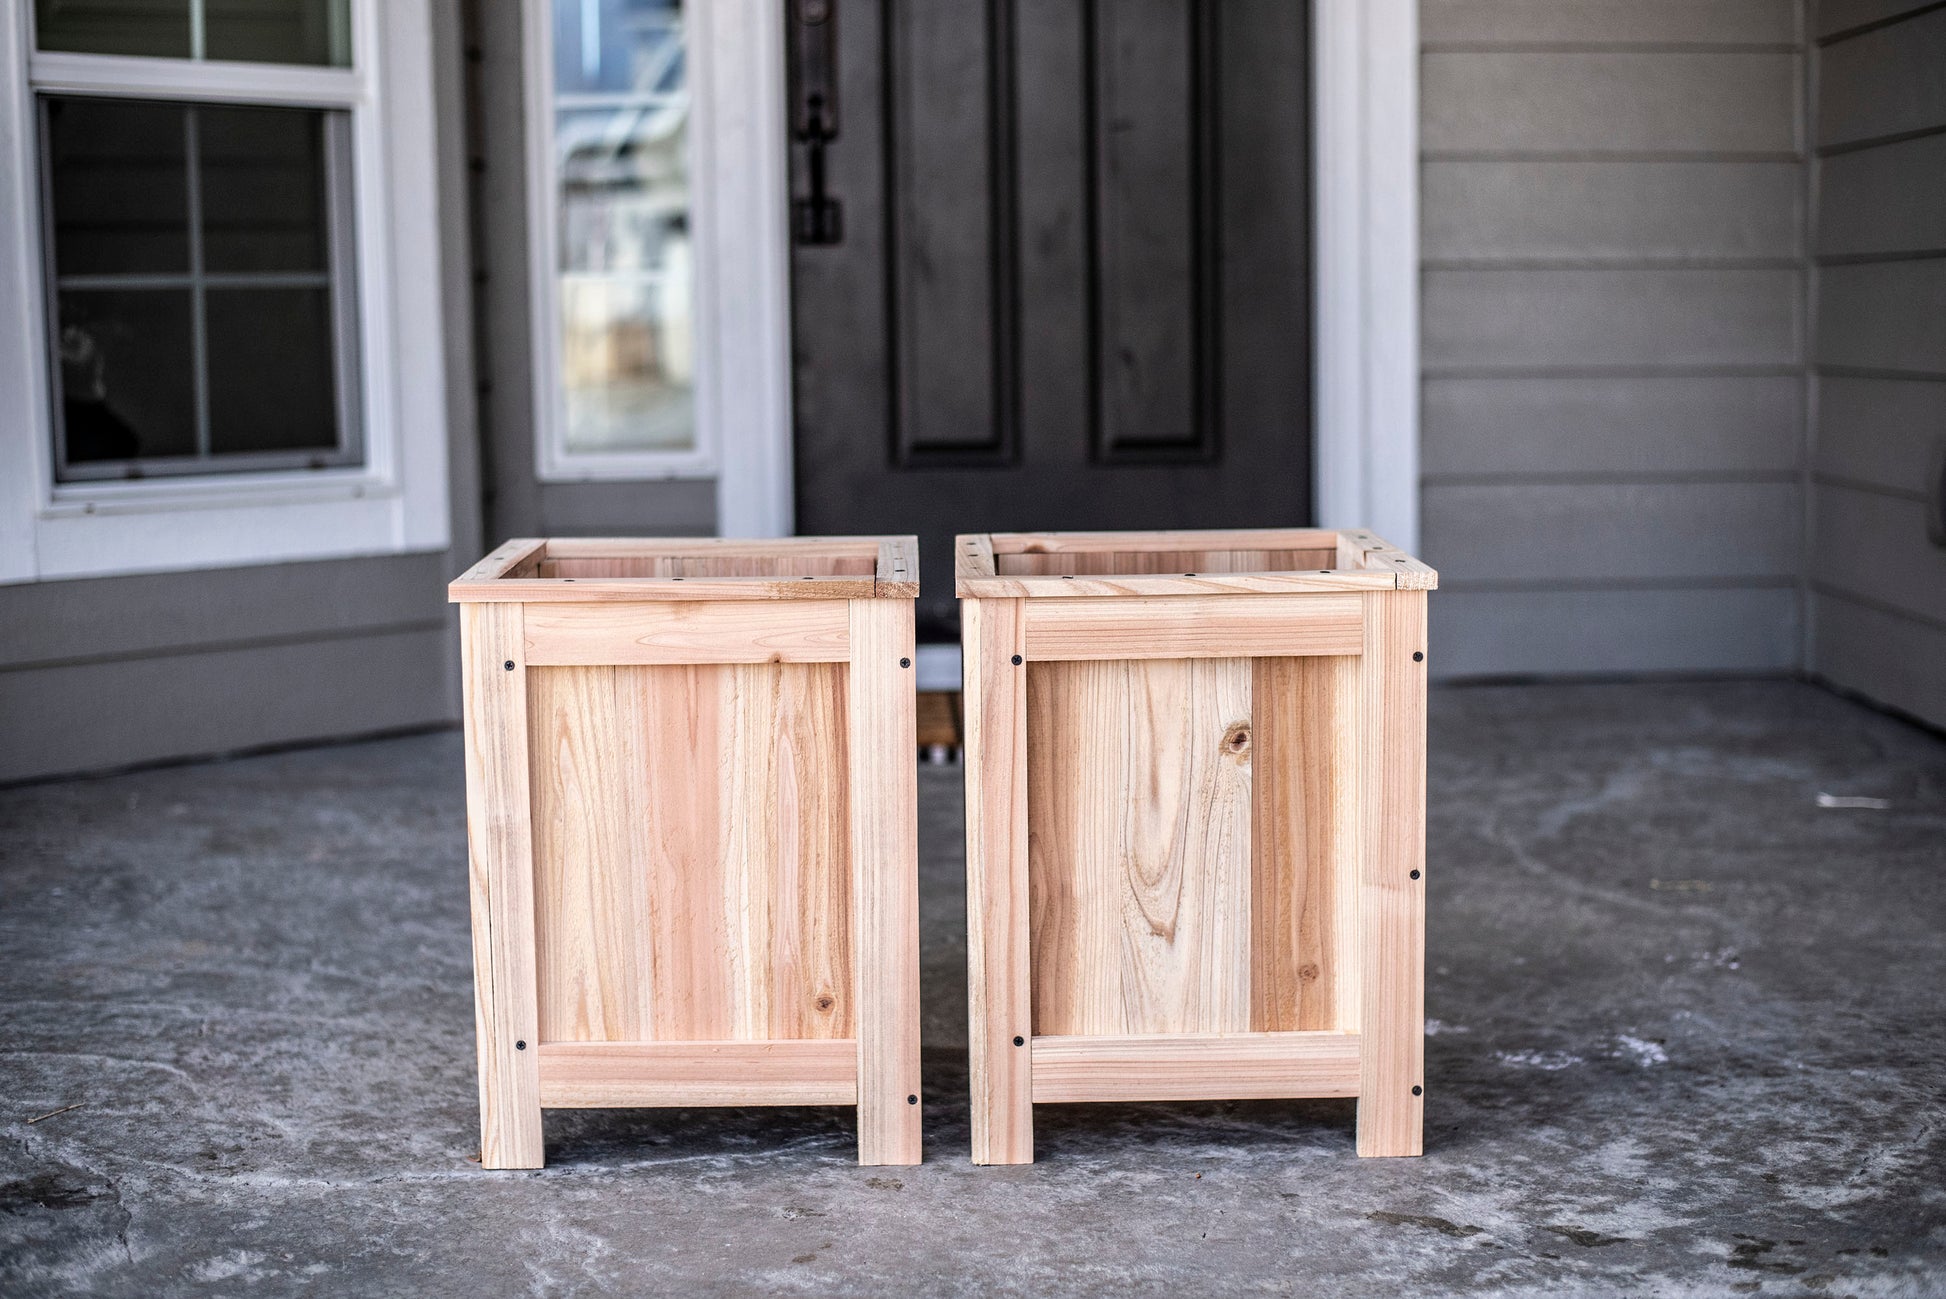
{"x":884,"y":827}
{"x":500,"y":875}
{"x":1233,"y":626}
{"x":997,"y":939}
{"x":605,"y":1075}
{"x":689,"y":631}
{"x":1392,"y":928}
{"x":1303,"y":908}
{"x":690,"y":846}
{"x":1103,"y":562}
{"x":603,"y":569}
{"x":1195,"y":1066}
{"x":1139,"y":811}
{"x":1063,"y":588}
{"x":1054,"y":543}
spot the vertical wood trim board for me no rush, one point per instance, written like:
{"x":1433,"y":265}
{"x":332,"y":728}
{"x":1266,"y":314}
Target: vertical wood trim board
{"x":884,"y":825}
{"x":500,"y":875}
{"x":998,"y":947}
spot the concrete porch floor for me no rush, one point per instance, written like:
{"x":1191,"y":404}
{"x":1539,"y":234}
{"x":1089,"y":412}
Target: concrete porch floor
{"x":1686,"y":1039}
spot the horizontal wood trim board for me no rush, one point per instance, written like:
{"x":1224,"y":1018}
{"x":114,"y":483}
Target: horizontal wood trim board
{"x":1139,"y":586}
{"x":687,"y":631}
{"x":633,"y":548}
{"x":1054,"y":543}
{"x":1194,"y":627}
{"x":603,"y":1075}
{"x":569,"y":590}
{"x":1195,"y":1066}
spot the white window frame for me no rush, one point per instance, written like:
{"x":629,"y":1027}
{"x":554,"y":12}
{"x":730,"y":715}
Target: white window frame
{"x":738,"y":170}
{"x":396,"y":501}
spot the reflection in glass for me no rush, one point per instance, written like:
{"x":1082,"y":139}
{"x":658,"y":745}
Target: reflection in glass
{"x":128,"y":374}
{"x":621,"y":145}
{"x":312,"y":32}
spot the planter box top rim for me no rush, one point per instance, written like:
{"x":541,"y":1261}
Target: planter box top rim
{"x":621,"y":569}
{"x":1228,"y":561}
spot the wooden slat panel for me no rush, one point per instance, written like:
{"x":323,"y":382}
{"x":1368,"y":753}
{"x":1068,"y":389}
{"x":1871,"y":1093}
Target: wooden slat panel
{"x":1303,"y":763}
{"x":602,"y":1075}
{"x":1191,"y":627}
{"x":996,"y":882}
{"x":689,"y":631}
{"x":1052,"y":543}
{"x":1074,"y":562}
{"x":1195,"y":1066}
{"x":884,"y":827}
{"x":688,"y":567}
{"x":1064,"y":588}
{"x":897,"y":571}
{"x":694,"y":879}
{"x":574,"y":590}
{"x":1139,"y":815}
{"x":1392,"y":886}
{"x":865,"y":548}
{"x":500,"y":874}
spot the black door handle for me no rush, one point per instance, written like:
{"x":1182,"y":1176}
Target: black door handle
{"x":818,"y":218}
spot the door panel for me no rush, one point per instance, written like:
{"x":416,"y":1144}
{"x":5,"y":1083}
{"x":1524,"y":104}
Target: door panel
{"x":1071,"y":284}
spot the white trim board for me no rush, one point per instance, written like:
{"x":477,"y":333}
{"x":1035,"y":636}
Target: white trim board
{"x":1365,"y":224}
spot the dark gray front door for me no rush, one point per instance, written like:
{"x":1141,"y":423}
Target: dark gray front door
{"x":1062,"y":279}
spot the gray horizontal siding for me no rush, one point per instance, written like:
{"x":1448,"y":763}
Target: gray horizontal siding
{"x":1881,"y":654}
{"x":1559,"y":633}
{"x":1888,"y":199}
{"x":677,"y":507}
{"x":1888,"y":81}
{"x":1874,"y":547}
{"x":1883,"y":433}
{"x":1883,"y":315}
{"x":1611,"y":211}
{"x":1563,"y":534}
{"x":1660,"y":426}
{"x":1528,"y":319}
{"x":1835,"y":16}
{"x":1514,"y":22}
{"x":1613,"y":334}
{"x":1608,"y":102}
{"x":1878,"y":583}
{"x":90,"y":715}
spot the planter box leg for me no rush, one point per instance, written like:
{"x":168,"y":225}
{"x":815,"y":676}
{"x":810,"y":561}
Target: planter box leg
{"x":1392,"y":886}
{"x":995,"y":686}
{"x":884,"y":800}
{"x":500,"y":869}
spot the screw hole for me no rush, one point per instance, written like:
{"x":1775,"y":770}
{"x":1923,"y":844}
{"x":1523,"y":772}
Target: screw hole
{"x":1418,"y":1091}
{"x":1020,"y":1041}
{"x":1016,"y":660}
{"x":1189,"y":575}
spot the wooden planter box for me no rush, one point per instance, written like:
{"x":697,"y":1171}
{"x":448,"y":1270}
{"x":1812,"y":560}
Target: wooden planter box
{"x":1195,"y":823}
{"x":692,"y":830}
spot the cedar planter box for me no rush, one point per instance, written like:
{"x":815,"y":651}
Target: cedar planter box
{"x":1195,"y":823}
{"x":692,"y":830}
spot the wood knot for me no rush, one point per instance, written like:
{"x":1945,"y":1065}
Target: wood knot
{"x":826,"y":1002}
{"x":1236,"y":741}
{"x":1308,"y":972}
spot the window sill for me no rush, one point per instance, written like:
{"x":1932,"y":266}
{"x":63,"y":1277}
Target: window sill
{"x":148,"y":495}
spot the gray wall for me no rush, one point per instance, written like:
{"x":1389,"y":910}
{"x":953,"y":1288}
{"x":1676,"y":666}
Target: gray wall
{"x":1877,"y":584}
{"x":105,"y":672}
{"x":1614,"y":405}
{"x":517,"y":504}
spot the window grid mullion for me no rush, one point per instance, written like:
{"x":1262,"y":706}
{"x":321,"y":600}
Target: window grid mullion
{"x":198,"y":32}
{"x":198,"y":313}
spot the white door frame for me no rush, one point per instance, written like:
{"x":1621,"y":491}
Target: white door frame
{"x":1365,"y":228}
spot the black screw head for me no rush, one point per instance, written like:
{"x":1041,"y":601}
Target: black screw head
{"x":1418,"y":656}
{"x":1415,"y":875}
{"x":905,"y":663}
{"x":520,"y":1045}
{"x":912,"y":1100}
{"x":1016,"y":660}
{"x":510,"y":665}
{"x":1020,"y":1041}
{"x":1418,"y":1091}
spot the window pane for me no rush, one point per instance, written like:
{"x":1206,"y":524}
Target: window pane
{"x":279,"y":31}
{"x":263,"y":189}
{"x":159,"y":28}
{"x":127,"y":372}
{"x":618,"y":46}
{"x":119,"y":185}
{"x":624,"y":249}
{"x":270,"y":370}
